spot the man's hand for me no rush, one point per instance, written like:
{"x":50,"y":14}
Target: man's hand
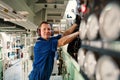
{"x":78,"y":20}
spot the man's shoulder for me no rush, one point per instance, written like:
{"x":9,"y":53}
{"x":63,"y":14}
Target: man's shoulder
{"x":57,"y":36}
{"x":38,"y":40}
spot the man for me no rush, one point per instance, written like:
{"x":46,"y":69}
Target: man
{"x":45,"y":48}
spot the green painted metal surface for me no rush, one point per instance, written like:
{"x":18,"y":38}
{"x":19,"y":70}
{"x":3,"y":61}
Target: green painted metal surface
{"x":1,"y":65}
{"x":1,"y":70}
{"x":72,"y":69}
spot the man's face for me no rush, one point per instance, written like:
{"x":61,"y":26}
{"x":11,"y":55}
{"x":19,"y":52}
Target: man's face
{"x":45,"y":31}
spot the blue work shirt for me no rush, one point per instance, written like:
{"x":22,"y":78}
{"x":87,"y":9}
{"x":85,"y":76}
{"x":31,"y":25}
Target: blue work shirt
{"x":44,"y":53}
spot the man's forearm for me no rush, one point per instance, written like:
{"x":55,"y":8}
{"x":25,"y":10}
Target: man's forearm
{"x":70,"y":30}
{"x":58,"y":32}
{"x":67,"y":39}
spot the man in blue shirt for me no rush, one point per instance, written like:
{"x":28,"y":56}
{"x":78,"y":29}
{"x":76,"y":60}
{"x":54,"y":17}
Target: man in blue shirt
{"x":45,"y":48}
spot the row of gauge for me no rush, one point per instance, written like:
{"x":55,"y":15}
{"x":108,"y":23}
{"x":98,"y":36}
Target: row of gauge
{"x":106,"y":25}
{"x":98,"y":67}
{"x":98,"y":32}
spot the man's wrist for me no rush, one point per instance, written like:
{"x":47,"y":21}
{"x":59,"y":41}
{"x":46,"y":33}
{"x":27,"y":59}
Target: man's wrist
{"x":75,"y":24}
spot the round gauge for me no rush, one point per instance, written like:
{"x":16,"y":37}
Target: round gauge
{"x":93,"y":27}
{"x":90,"y":64}
{"x":109,"y":22}
{"x":81,"y":57}
{"x":83,"y":30}
{"x":107,"y":69}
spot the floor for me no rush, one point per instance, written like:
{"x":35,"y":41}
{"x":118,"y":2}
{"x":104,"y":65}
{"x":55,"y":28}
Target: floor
{"x":15,"y":72}
{"x":55,"y":75}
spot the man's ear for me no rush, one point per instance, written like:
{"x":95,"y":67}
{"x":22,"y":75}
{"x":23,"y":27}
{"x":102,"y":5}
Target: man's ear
{"x":39,"y":32}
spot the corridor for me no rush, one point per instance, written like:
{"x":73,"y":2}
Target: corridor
{"x":17,"y":71}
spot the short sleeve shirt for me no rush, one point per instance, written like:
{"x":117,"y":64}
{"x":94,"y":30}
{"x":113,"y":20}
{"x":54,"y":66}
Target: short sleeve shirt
{"x":44,"y":52}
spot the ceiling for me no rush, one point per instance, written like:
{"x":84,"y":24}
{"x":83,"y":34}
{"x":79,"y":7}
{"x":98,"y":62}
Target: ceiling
{"x":23,"y":15}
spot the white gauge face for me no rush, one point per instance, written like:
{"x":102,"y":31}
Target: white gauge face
{"x":93,"y":27}
{"x":107,"y":69}
{"x":109,"y":22}
{"x":83,"y":30}
{"x":90,"y":64}
{"x":81,"y":57}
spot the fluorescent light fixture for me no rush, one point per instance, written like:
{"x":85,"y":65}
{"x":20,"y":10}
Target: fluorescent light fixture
{"x":7,"y":27}
{"x":13,"y":30}
{"x":56,"y":25}
{"x":5,"y":19}
{"x":23,"y":12}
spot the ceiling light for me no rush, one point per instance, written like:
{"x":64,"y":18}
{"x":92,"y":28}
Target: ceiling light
{"x":8,"y":27}
{"x":23,"y":12}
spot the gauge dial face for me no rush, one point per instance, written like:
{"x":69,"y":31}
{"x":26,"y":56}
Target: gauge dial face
{"x":90,"y":63}
{"x":109,"y":22}
{"x":93,"y":27}
{"x":107,"y":69}
{"x":81,"y":56}
{"x":83,"y":30}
